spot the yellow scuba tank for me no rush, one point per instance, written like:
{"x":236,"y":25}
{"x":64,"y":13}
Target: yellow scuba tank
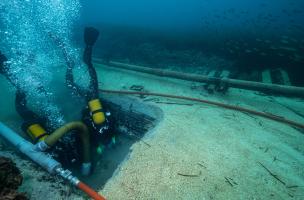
{"x":97,"y":112}
{"x":36,"y":132}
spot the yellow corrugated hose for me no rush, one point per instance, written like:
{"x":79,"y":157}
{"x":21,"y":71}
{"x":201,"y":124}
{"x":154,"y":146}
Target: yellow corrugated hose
{"x":84,"y":136}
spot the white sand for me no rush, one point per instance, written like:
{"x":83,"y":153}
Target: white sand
{"x":226,"y":144}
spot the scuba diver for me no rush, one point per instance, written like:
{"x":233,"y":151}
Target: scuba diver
{"x":95,"y":118}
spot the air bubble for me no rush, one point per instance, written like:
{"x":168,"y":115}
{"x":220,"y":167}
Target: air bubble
{"x":32,"y":54}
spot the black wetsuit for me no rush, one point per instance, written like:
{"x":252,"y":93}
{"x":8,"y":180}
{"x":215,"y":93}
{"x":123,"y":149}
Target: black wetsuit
{"x":30,"y":118}
{"x":91,"y":35}
{"x":92,"y":93}
{"x":87,"y":58}
{"x":100,"y":133}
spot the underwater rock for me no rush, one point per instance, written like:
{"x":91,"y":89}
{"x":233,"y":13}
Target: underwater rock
{"x":10,"y":180}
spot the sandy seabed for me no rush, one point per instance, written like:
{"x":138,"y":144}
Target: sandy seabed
{"x":198,"y":151}
{"x":201,"y":151}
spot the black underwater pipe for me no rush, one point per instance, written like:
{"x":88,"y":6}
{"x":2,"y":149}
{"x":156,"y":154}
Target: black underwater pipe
{"x":241,"y":84}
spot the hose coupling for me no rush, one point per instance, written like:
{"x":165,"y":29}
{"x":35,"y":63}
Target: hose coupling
{"x":67,"y":174}
{"x":41,"y":146}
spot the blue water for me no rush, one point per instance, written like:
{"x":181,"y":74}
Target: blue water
{"x":244,"y":37}
{"x":254,"y":35}
{"x":193,"y":15}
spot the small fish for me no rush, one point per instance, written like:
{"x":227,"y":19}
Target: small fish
{"x":288,"y":48}
{"x":298,"y":56}
{"x":284,"y":37}
{"x":284,"y":41}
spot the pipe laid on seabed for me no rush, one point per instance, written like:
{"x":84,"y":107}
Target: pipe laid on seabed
{"x":223,"y":105}
{"x":45,"y":161}
{"x":241,"y":84}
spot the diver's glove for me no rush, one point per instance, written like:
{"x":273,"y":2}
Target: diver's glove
{"x":90,"y":35}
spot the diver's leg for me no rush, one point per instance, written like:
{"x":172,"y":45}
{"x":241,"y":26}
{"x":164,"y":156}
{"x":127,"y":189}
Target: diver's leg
{"x":96,"y":117}
{"x":90,"y":37}
{"x":93,"y":82}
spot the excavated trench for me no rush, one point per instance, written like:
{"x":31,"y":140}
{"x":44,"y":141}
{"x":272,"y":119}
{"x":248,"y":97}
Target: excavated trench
{"x":133,"y":120}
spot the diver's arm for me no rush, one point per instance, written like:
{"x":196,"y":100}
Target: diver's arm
{"x":69,"y":77}
{"x":70,"y":63}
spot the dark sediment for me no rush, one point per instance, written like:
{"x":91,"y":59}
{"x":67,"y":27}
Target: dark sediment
{"x":10,"y":180}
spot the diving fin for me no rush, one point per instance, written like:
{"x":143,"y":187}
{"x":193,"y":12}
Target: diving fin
{"x":90,"y":35}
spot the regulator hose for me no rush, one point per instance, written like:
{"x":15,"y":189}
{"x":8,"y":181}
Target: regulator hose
{"x":227,"y":106}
